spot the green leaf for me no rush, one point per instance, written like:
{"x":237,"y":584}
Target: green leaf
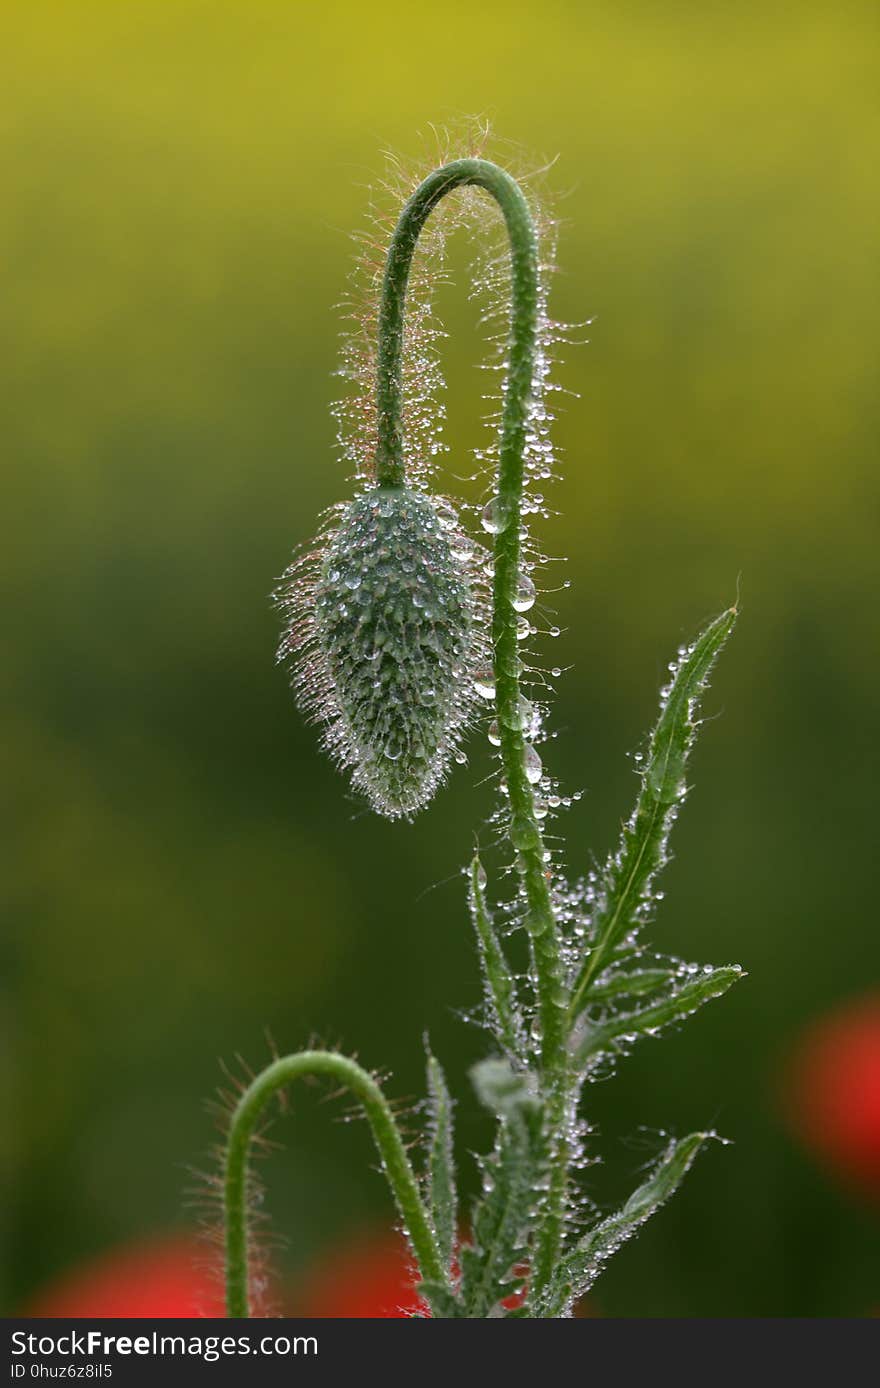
{"x":634,"y":983}
{"x":441,"y":1163}
{"x":625,"y":897}
{"x":500,"y":986}
{"x":580,"y":1267}
{"x":512,"y":1177}
{"x":684,"y":1000}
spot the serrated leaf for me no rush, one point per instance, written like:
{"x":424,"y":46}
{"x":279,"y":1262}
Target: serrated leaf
{"x":498,"y":980}
{"x":442,"y":1195}
{"x":625,"y":891}
{"x":601,"y":1037}
{"x":512,"y":1178}
{"x":580,"y":1267}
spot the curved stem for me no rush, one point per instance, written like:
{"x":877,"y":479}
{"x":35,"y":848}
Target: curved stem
{"x":525,"y":833}
{"x":524,"y":828}
{"x":395,"y":1162}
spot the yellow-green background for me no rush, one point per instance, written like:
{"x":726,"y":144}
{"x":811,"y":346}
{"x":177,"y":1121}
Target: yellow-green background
{"x":179,"y":182}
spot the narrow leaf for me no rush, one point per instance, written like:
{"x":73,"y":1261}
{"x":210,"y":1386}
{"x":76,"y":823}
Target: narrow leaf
{"x":634,"y":983}
{"x":512,"y":1177}
{"x":441,"y":1163}
{"x":647,"y":1020}
{"x":625,"y":892}
{"x":499,"y":982}
{"x":579,"y":1269}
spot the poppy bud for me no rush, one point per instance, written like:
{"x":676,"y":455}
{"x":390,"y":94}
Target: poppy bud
{"x":387,"y":625}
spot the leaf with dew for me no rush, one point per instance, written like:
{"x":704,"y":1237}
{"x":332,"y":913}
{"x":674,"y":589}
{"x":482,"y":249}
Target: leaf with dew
{"x":594,"y":1040}
{"x":512,"y":1178}
{"x":625,"y":891}
{"x":580,"y":1267}
{"x":498,"y":979}
{"x":443,"y":1199}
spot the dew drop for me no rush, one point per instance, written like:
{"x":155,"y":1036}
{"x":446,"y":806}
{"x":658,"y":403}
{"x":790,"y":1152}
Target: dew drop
{"x":494,"y":733}
{"x":523,"y":834}
{"x":484,"y":682}
{"x":523,"y":718}
{"x":533,"y":765}
{"x":525,"y":594}
{"x":495,"y":516}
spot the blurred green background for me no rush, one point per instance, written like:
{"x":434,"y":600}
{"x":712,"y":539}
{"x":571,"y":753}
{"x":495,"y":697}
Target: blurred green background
{"x":184,"y":867}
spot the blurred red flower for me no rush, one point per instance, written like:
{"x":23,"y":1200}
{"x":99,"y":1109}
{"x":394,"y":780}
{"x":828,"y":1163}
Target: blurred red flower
{"x":159,"y":1278}
{"x":368,"y":1279}
{"x":834,"y":1092}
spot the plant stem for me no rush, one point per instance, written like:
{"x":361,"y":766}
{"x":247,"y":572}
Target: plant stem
{"x":395,"y":1162}
{"x":524,"y":829}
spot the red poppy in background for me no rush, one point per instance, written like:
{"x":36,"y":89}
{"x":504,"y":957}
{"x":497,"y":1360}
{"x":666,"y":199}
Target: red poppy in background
{"x":371,"y":1278}
{"x":160,"y":1278}
{"x":834,"y":1092}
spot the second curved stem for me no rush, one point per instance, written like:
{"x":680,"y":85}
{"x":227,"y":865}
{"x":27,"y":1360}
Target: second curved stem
{"x":395,"y":1163}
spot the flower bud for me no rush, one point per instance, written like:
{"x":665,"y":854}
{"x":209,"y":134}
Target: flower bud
{"x":390,"y":647}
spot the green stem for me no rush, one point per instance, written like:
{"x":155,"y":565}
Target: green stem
{"x":395,"y":1162}
{"x":524,"y":828}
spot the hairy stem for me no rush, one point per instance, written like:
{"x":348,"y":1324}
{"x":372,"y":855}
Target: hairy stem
{"x":395,"y":1163}
{"x":524,"y":829}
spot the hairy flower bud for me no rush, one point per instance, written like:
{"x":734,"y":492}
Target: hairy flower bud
{"x":385,"y":620}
